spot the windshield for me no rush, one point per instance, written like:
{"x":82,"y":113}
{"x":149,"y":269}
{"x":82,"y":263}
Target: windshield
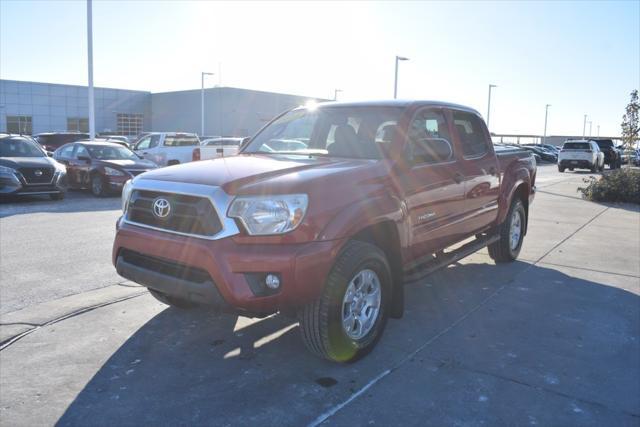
{"x":111,"y":152}
{"x":18,"y":147}
{"x":354,"y":132}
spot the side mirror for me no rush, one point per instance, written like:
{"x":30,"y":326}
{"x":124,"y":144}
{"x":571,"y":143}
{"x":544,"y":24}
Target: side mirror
{"x":50,"y":153}
{"x":245,"y":142}
{"x":85,"y":158}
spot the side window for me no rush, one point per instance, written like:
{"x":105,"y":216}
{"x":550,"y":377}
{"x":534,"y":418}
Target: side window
{"x":66,"y":152}
{"x":155,"y":140}
{"x":144,"y":144}
{"x":470,"y":131}
{"x":429,"y":139}
{"x":81,"y":152}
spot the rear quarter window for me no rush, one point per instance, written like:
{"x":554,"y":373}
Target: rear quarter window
{"x":181,"y":141}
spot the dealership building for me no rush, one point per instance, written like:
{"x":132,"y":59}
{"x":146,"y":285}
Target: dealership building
{"x":32,"y":107}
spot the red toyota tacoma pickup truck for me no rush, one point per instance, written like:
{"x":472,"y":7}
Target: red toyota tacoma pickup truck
{"x":326,"y":213}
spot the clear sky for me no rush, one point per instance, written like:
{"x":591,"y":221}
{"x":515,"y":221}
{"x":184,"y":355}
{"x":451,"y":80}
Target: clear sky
{"x":580,"y":57}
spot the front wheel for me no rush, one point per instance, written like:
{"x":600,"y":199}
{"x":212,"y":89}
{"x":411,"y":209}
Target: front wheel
{"x":560,"y":168}
{"x":347,"y":320}
{"x":511,"y":232}
{"x":97,"y":186}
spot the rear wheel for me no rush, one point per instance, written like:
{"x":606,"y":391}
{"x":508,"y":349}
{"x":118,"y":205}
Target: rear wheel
{"x":571,"y":169}
{"x":347,"y":320}
{"x":560,"y":168}
{"x":172,"y":301}
{"x":511,"y":233}
{"x":97,"y":186}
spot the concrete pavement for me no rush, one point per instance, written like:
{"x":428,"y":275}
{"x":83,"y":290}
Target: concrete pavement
{"x":551,"y":339}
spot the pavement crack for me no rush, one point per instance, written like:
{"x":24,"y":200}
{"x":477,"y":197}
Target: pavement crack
{"x":10,"y":341}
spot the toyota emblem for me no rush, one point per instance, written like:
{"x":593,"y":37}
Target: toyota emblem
{"x":161,"y":208}
{"x":37,"y":172}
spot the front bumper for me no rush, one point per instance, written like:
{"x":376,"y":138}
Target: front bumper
{"x":220,"y":272}
{"x":13,"y":185}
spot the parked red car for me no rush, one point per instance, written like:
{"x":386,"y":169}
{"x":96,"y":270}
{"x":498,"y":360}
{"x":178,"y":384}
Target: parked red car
{"x":101,"y":166}
{"x":326,"y":213}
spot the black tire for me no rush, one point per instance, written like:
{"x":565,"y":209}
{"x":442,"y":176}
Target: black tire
{"x":321,"y":321}
{"x":571,"y":169}
{"x":501,"y":250}
{"x":57,"y":196}
{"x":97,"y":186}
{"x":172,"y":301}
{"x":560,"y":168}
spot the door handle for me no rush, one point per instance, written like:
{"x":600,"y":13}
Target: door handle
{"x":458,"y":177}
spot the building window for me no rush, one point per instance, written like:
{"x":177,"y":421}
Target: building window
{"x":77,"y":124}
{"x":130,"y":124}
{"x":19,"y":124}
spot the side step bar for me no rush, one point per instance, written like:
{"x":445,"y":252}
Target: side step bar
{"x":444,"y":259}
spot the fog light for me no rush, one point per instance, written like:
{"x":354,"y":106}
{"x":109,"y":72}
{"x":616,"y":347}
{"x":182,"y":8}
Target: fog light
{"x":272,"y":281}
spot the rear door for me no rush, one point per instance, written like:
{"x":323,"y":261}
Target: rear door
{"x":434,"y":190}
{"x":479,"y":166}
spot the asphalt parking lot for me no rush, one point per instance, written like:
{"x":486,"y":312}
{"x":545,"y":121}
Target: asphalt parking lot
{"x":552,"y":339}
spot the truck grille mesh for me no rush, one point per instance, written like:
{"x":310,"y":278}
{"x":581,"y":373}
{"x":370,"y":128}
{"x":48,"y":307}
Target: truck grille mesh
{"x":187,"y":214}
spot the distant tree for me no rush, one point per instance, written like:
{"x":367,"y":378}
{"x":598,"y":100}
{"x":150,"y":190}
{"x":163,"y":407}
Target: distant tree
{"x":630,"y":126}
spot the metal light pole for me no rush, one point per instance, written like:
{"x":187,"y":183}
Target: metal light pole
{"x":584,"y":126}
{"x":202,"y":103}
{"x":546,"y":112}
{"x":335,"y":94}
{"x":489,"y":105}
{"x":395,"y":83}
{"x":598,"y":130}
{"x":92,"y":116}
{"x":590,"y":123}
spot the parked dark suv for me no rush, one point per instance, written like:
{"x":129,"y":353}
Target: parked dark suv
{"x":612,"y":156}
{"x":25,"y":169}
{"x":51,"y":141}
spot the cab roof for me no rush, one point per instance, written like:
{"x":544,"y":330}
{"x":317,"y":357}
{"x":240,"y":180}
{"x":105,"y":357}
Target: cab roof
{"x":403,"y":103}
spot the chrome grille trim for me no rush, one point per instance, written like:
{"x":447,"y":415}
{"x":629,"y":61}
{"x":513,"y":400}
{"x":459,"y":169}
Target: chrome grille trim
{"x":218,"y":198}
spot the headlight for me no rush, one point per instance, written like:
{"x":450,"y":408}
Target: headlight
{"x":7,"y":171}
{"x":269,"y":214}
{"x":126,"y":193}
{"x":112,"y":172}
{"x":60,"y":168}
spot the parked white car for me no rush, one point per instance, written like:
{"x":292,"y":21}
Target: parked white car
{"x":167,"y":148}
{"x":580,"y":154}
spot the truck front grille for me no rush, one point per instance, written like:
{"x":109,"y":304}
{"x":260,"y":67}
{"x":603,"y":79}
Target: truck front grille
{"x":187,"y":214}
{"x":37,"y":175}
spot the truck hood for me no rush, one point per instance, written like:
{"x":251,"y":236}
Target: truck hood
{"x":253,"y":173}
{"x":129,"y":164}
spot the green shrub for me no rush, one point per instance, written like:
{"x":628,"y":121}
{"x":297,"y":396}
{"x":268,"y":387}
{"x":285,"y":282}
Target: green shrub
{"x":622,"y":185}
